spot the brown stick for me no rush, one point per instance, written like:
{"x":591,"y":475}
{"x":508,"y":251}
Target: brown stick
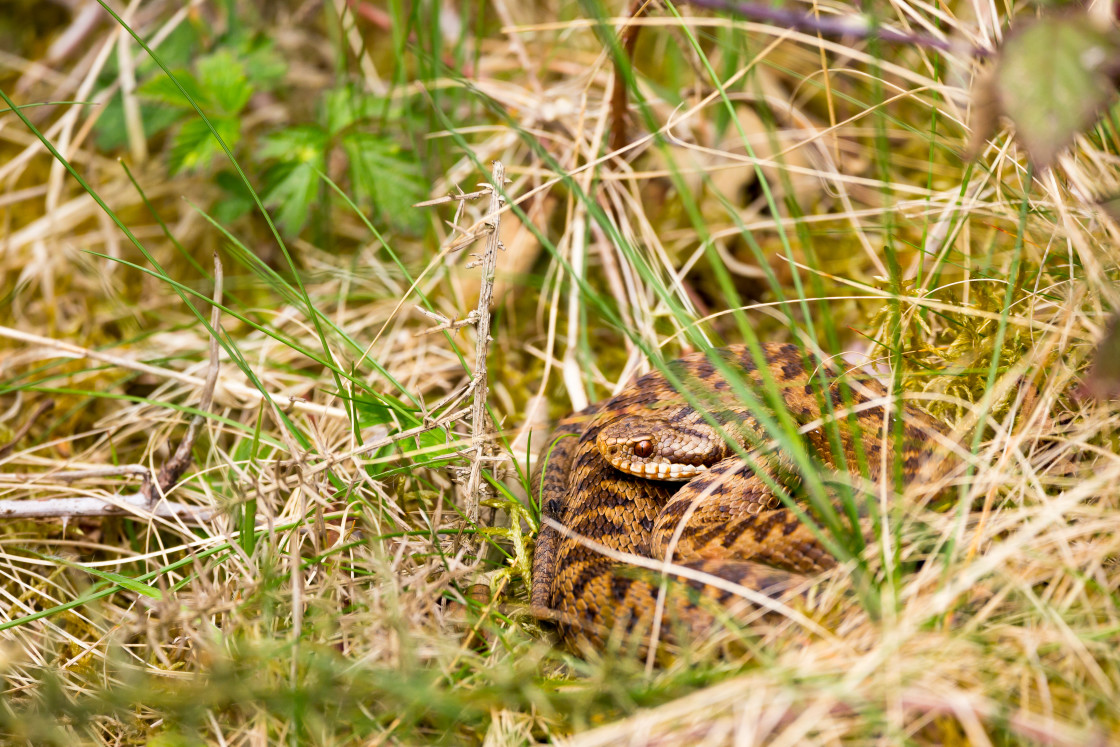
{"x":480,"y":425}
{"x":628,"y":38}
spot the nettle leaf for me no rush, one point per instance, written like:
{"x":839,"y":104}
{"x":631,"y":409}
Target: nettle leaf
{"x":236,"y":200}
{"x":223,"y":78}
{"x":347,"y":105}
{"x":264,"y":66}
{"x":1053,"y":78}
{"x":161,"y":89}
{"x":194,"y":146}
{"x":387,"y":176}
{"x":293,"y":183}
{"x":304,"y":144}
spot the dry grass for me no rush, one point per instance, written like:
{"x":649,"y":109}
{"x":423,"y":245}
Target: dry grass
{"x":324,"y":600}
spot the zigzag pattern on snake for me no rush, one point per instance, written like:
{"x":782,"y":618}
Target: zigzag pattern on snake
{"x":734,"y":526}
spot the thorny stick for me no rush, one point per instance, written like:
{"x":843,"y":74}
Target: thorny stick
{"x":480,"y":426}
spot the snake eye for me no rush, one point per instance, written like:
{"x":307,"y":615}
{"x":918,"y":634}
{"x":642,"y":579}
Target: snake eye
{"x":643,"y":449}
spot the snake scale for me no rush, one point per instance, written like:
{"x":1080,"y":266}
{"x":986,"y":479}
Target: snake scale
{"x":613,"y":475}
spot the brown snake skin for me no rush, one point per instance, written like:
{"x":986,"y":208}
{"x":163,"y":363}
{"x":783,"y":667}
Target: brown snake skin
{"x":726,"y":521}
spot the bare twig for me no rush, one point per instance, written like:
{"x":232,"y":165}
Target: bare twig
{"x":81,"y":474}
{"x":138,"y":503}
{"x":445,"y":323}
{"x":69,"y":508}
{"x":462,"y":196}
{"x":628,"y":37}
{"x":480,"y":426}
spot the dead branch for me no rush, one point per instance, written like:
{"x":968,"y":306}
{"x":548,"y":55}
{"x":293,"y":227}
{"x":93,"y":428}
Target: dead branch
{"x":136,"y":504}
{"x":627,"y":38}
{"x":480,"y":425}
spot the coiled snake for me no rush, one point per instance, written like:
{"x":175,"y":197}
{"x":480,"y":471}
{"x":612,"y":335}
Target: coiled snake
{"x":606,"y":475}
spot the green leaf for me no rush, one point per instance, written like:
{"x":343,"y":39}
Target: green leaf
{"x":1052,"y":79}
{"x":177,"y":50}
{"x":220,"y":87}
{"x":223,"y":77}
{"x":292,"y":189}
{"x":110,"y":128}
{"x":236,"y":200}
{"x":347,"y":105}
{"x":434,"y":439}
{"x":265,"y":68}
{"x":386,"y":176}
{"x":161,"y":89}
{"x":380,"y":409}
{"x":304,"y":144}
{"x":293,"y":183}
{"x":194,"y":147}
{"x":386,"y":410}
{"x":372,"y":413}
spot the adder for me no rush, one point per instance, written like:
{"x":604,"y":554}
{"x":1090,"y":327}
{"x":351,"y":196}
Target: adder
{"x":610,"y":474}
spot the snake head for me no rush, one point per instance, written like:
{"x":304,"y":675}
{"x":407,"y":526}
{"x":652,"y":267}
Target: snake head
{"x":659,"y":450}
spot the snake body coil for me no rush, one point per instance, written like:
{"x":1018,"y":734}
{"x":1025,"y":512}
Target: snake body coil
{"x":605,"y":475}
